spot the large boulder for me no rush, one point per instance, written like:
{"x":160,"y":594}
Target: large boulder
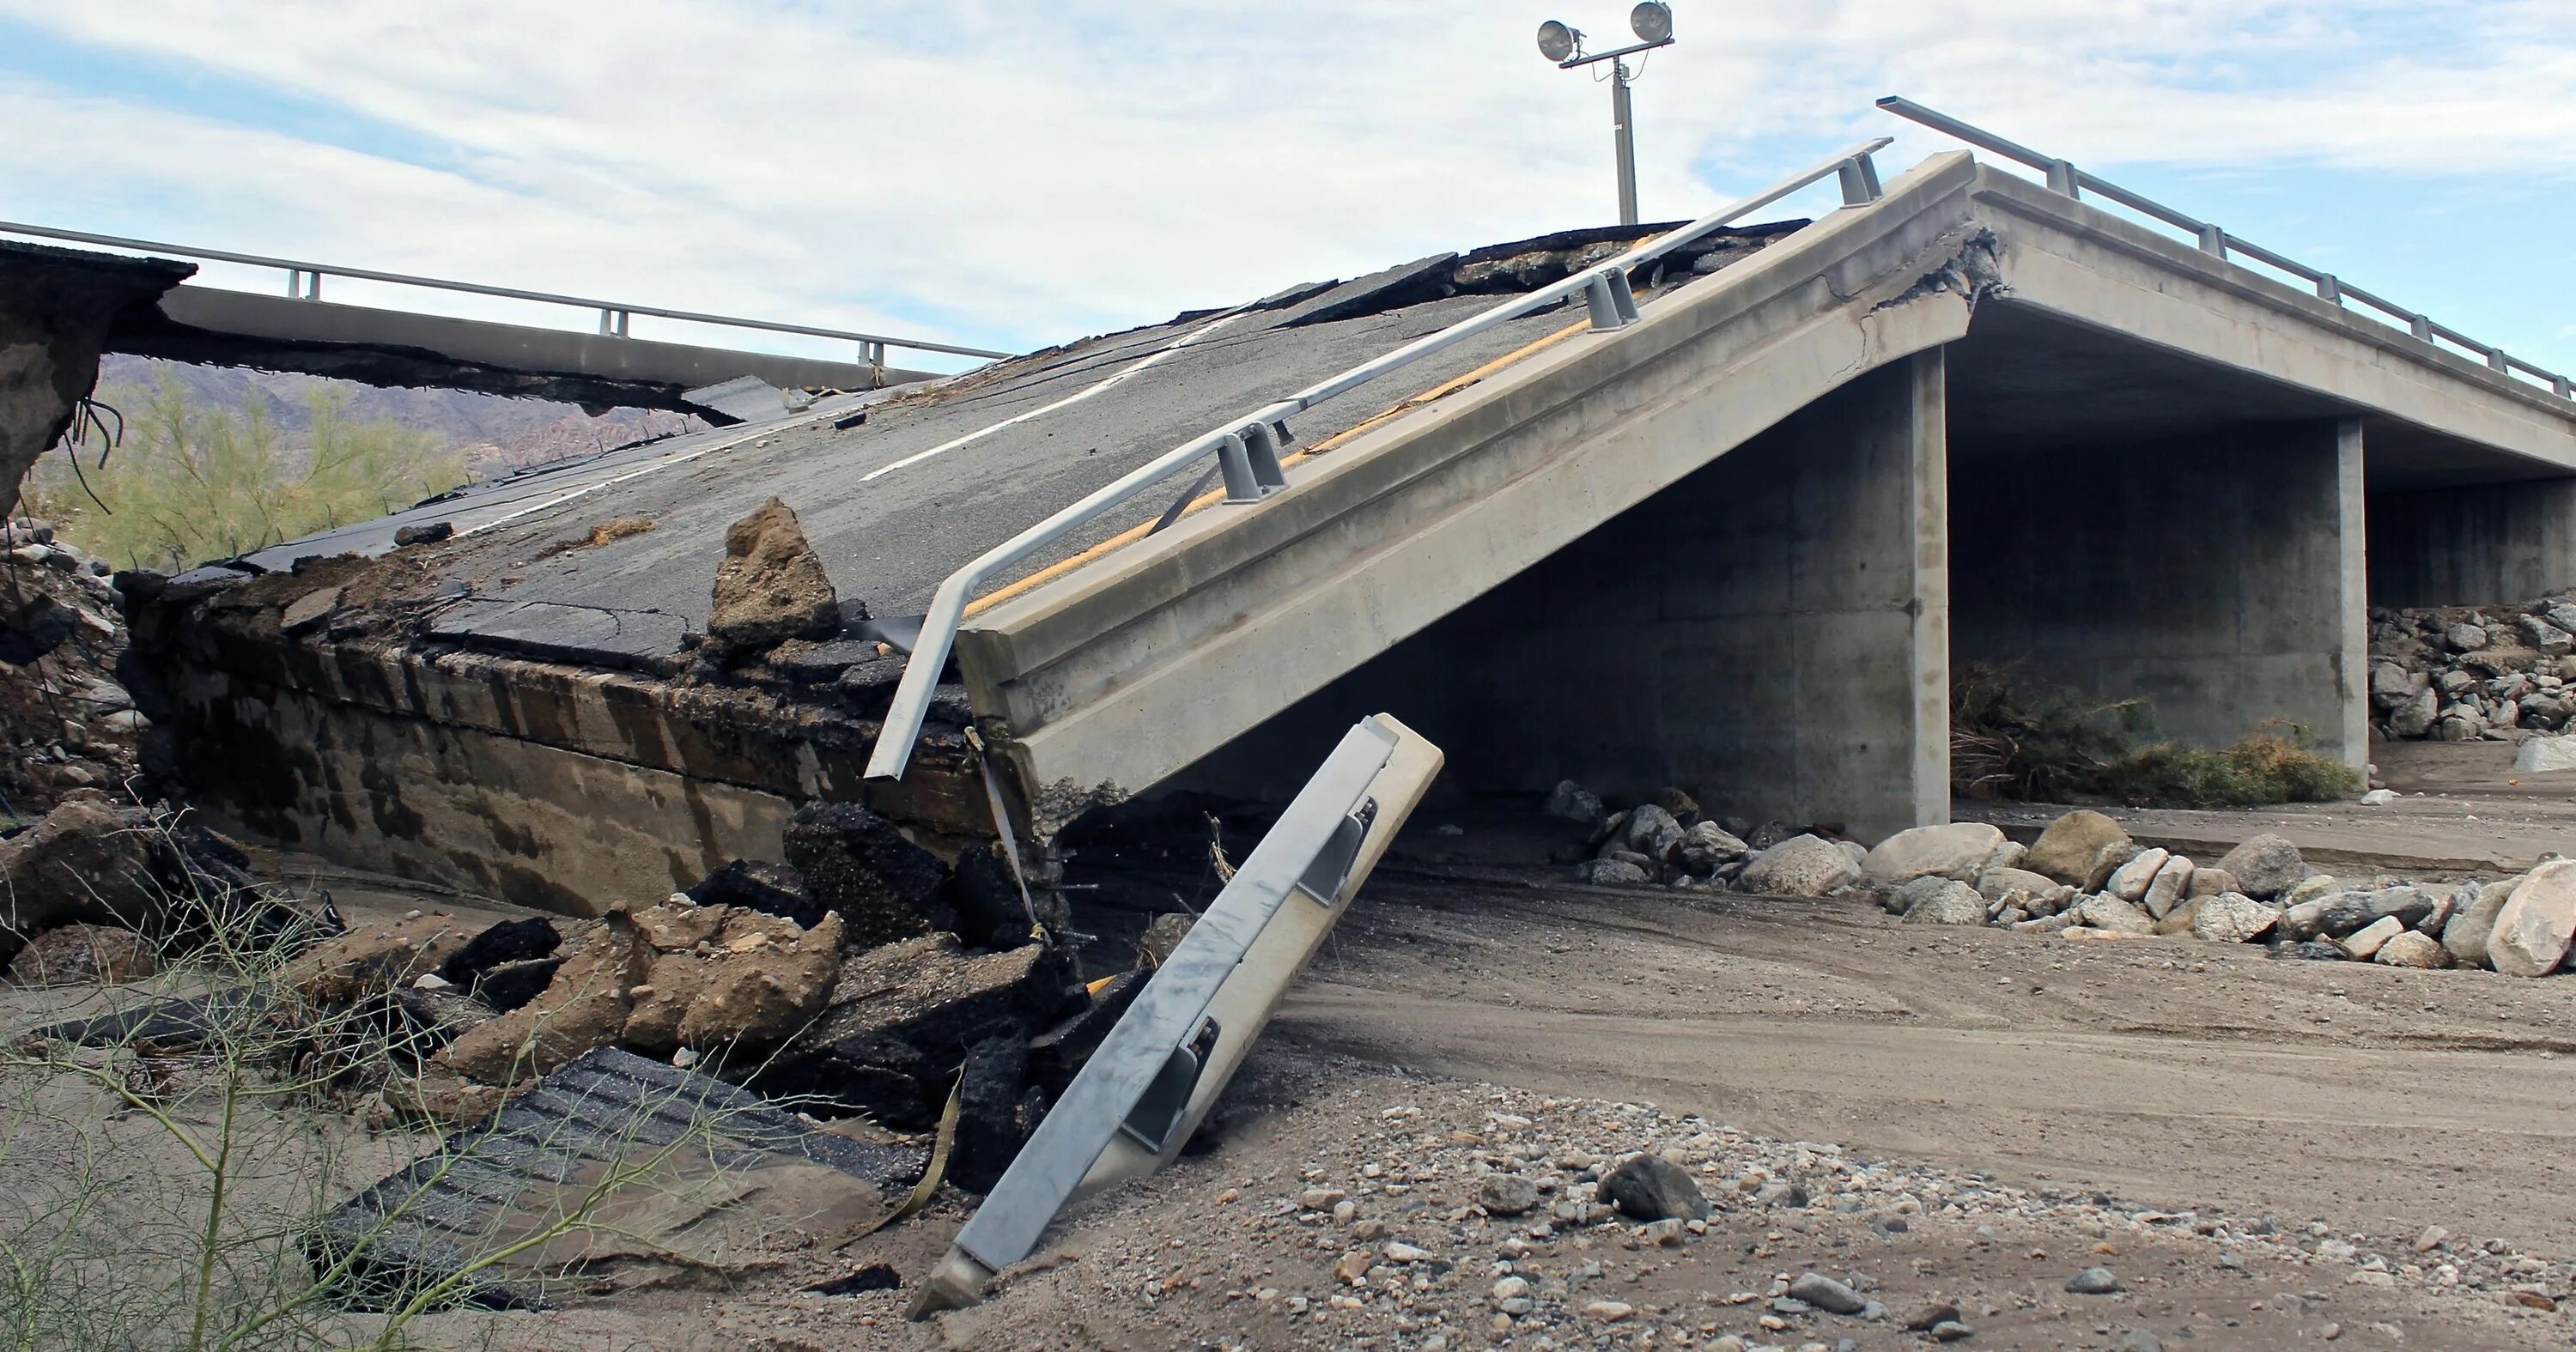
{"x":2545,"y":755}
{"x":771,"y":586}
{"x":2232,"y":918}
{"x":2080,"y":849}
{"x":2473,"y":923}
{"x":1576,"y":804}
{"x":2364,"y":943}
{"x":1801,"y":866}
{"x":1649,"y":831}
{"x":2414,"y":717}
{"x":2104,"y":911}
{"x":1706,"y":847}
{"x":2265,"y":866}
{"x":83,"y":955}
{"x":2537,"y":923}
{"x":83,"y":863}
{"x":1944,"y":901}
{"x":1959,"y":850}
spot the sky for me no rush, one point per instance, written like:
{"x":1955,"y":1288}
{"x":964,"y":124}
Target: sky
{"x":1008,"y":174}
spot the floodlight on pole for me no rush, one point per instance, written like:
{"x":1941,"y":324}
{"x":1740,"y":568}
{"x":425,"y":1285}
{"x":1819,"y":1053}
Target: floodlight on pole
{"x":1652,"y":22}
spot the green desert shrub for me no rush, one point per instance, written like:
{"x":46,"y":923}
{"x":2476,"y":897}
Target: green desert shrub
{"x":2012,"y":738}
{"x":190,"y":482}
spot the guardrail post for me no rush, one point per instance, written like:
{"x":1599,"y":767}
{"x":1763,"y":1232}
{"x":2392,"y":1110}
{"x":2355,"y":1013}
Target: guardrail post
{"x":1261,"y":447}
{"x":2062,"y":179}
{"x":303,"y":284}
{"x":2563,"y":387}
{"x":2328,"y":289}
{"x":2213,"y":241}
{"x":612,"y":323}
{"x":1234,"y":459}
{"x":2495,"y":360}
{"x":2422,"y":327}
{"x":1859,"y":176}
{"x":1613,"y":305}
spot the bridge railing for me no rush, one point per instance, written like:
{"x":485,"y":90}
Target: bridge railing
{"x":1247,"y":448}
{"x":2064,"y":177}
{"x":304,"y":282}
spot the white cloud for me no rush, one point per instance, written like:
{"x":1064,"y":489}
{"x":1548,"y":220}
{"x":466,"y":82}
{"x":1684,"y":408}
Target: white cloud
{"x":1022,"y":171}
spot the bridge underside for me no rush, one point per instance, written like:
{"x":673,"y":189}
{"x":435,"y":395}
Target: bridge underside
{"x":1778,"y":631}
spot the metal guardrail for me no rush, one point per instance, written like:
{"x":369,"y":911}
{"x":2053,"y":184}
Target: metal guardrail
{"x":2064,"y":177}
{"x":1247,"y":448}
{"x":304,"y":282}
{"x":1143,"y":1093}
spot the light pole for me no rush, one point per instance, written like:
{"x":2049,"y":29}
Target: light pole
{"x":1652,"y":22}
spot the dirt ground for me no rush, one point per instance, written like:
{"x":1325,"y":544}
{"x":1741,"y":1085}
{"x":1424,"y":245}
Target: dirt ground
{"x":2254,"y":1147}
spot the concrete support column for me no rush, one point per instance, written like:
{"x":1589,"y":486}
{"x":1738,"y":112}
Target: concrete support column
{"x":1770,"y":633}
{"x":2476,"y":545}
{"x":2218,"y":575}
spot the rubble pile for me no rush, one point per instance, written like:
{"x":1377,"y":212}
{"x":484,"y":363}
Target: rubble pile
{"x":2085,"y":878}
{"x":96,"y":891}
{"x":2458,"y":674}
{"x":865,"y":977}
{"x":67,"y":718}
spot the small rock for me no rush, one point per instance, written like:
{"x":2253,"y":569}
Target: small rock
{"x":2431,"y":1238}
{"x":1612,"y":873}
{"x":1922,"y":1318}
{"x":1608,"y":1311}
{"x":426,"y":533}
{"x":2093,"y":1281}
{"x":1652,"y":1188}
{"x":2364,"y":943}
{"x":1353,"y":1268}
{"x":2412,"y":949}
{"x":1951,"y":1331}
{"x":1825,"y":1293}
{"x":1706,"y":847}
{"x":2209,"y":880}
{"x":2138,"y":1340}
{"x":1507,"y":1195}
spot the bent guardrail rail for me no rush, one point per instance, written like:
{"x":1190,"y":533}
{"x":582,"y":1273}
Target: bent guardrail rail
{"x":304,"y":282}
{"x":1142,"y":1094}
{"x":2064,"y":177}
{"x":1247,"y":448}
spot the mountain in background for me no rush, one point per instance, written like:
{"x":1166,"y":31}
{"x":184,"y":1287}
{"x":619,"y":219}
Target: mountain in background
{"x":498,"y":434}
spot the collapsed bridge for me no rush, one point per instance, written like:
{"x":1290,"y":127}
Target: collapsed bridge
{"x":1731,"y":518}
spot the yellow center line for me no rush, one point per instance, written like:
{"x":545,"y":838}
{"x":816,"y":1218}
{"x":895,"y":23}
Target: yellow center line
{"x":1212,"y":497}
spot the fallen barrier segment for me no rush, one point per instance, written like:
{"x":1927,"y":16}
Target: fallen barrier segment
{"x":1141,"y":1095}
